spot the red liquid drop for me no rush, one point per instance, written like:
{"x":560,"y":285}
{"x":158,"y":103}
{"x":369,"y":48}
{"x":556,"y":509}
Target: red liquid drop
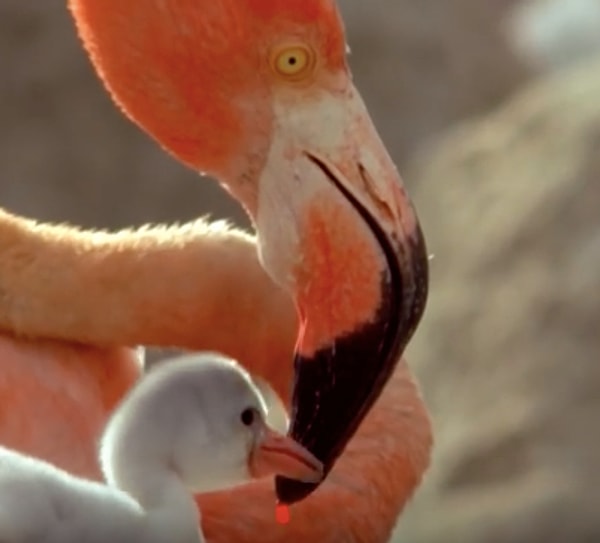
{"x":282,"y":513}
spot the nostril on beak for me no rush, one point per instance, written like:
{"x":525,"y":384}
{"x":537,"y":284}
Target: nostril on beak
{"x":370,"y":188}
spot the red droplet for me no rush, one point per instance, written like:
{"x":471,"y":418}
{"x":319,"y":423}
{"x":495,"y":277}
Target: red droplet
{"x":282,"y":513}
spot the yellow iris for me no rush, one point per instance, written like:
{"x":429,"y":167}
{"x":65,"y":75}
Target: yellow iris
{"x":293,"y":62}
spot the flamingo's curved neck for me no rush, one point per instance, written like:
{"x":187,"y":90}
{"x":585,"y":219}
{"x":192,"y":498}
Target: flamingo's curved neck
{"x":101,"y":288}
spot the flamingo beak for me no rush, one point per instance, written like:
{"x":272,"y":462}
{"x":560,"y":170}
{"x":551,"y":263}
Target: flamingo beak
{"x":337,"y":229}
{"x":274,"y":453}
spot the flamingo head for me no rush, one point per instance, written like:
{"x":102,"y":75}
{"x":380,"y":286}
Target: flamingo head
{"x":258,"y":93}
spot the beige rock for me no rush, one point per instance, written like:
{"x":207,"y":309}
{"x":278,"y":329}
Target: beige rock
{"x":509,"y":352}
{"x":552,"y":34}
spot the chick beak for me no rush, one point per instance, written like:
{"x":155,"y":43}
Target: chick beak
{"x":276,"y":454}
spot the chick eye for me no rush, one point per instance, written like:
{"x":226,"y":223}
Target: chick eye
{"x":247,"y":417}
{"x":293,"y":62}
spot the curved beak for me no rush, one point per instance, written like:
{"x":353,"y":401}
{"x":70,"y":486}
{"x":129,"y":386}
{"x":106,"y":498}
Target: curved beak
{"x":274,"y":453}
{"x":337,"y":229}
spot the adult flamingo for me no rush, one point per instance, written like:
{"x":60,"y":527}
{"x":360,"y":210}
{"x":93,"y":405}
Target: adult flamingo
{"x":258,"y":94}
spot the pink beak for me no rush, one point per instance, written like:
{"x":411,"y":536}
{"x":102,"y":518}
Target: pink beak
{"x":276,"y":454}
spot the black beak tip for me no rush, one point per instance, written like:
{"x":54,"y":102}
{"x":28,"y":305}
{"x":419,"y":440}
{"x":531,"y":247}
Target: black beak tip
{"x":290,"y":491}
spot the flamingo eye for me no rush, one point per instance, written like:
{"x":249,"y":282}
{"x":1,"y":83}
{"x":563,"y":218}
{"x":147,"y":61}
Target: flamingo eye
{"x":293,"y":62}
{"x":248,"y":416}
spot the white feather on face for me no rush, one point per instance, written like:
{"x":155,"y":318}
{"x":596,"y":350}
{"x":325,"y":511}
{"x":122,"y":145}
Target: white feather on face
{"x":277,"y":415}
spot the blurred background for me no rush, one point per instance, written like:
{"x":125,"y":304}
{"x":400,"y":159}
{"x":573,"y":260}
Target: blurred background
{"x":491,"y":109}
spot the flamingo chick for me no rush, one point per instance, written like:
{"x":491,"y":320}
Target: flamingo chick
{"x":195,"y":424}
{"x":258,"y":94}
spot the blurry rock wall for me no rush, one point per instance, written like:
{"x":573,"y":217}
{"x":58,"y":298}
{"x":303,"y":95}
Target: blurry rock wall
{"x":492,"y":111}
{"x":509,"y":353}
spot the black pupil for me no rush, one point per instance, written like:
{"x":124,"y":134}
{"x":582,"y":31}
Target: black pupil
{"x":292,"y":61}
{"x":247,"y":416}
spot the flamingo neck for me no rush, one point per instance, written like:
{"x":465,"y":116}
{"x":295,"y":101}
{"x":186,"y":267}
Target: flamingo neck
{"x":154,"y":286}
